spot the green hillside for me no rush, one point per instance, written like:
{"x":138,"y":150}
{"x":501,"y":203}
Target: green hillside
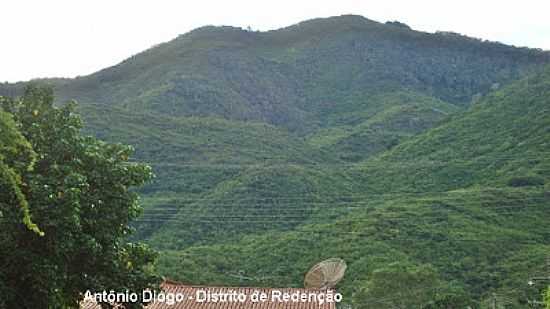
{"x":349,"y":84}
{"x":313,"y":69}
{"x":197,"y":159}
{"x":469,"y":198}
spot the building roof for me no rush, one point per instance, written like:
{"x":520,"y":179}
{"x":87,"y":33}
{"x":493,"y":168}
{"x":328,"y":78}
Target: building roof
{"x":194,"y":297}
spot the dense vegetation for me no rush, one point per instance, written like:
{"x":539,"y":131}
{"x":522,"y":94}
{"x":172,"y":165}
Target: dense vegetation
{"x":421,"y":159}
{"x":442,"y":201}
{"x":16,"y":157}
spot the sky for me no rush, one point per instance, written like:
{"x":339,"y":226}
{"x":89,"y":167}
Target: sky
{"x":68,"y":38}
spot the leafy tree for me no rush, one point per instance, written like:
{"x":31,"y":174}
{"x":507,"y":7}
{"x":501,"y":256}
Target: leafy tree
{"x":16,"y":156}
{"x":78,"y":193}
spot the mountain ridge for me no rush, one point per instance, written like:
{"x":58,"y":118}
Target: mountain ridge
{"x":302,"y":32}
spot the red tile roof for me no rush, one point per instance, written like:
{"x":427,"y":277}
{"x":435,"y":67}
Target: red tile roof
{"x":190,"y":300}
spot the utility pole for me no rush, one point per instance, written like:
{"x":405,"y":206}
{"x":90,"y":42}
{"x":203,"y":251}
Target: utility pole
{"x":494,"y":301}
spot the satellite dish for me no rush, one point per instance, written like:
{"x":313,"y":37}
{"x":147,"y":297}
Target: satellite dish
{"x":326,"y":274}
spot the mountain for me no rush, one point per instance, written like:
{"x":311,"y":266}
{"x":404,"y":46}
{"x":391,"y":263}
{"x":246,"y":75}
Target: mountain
{"x":331,"y":73}
{"x":337,"y":136}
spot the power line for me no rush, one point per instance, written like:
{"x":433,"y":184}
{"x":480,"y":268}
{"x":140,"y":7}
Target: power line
{"x":351,"y":200}
{"x":395,"y":194}
{"x":515,"y":205}
{"x":521,"y":203}
{"x":532,"y":214}
{"x":286,"y":220}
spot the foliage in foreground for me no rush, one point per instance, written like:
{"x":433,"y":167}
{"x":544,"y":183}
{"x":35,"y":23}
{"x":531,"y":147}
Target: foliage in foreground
{"x":16,"y":156}
{"x":64,"y":219}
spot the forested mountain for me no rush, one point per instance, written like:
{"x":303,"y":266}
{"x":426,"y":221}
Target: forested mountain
{"x":341,"y":137}
{"x":456,"y":212}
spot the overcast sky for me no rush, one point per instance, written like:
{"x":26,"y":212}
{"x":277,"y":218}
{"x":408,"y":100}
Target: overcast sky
{"x":66,"y":38}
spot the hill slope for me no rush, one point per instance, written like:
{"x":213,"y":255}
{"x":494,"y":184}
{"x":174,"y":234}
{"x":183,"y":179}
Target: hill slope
{"x":334,"y":79}
{"x":470,"y":198}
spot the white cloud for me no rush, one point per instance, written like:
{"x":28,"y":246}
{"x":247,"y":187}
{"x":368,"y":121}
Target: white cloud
{"x":69,"y":38}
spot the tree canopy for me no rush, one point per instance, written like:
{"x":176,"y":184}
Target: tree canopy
{"x":16,"y":156}
{"x":73,"y":203}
